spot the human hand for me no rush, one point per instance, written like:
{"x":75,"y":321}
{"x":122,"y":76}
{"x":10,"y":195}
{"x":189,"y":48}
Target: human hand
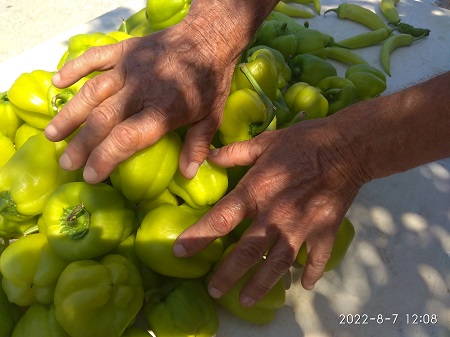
{"x":149,"y":86}
{"x":302,"y":183}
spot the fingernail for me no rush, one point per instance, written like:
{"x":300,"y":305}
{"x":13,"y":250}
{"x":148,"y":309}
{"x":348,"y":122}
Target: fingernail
{"x":247,"y":301}
{"x":50,"y":131}
{"x":90,"y":175}
{"x":179,"y":250}
{"x":65,"y":162}
{"x":214,"y":293}
{"x":56,"y":78}
{"x":213,"y":152}
{"x":192,"y":169}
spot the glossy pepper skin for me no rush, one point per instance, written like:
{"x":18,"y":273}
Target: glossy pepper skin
{"x":98,"y":298}
{"x":148,"y":172}
{"x":278,"y":35}
{"x":366,"y":39}
{"x":24,"y":132}
{"x":390,"y":11}
{"x":39,"y":321}
{"x":205,"y":189}
{"x":181,"y":308}
{"x":79,"y":43}
{"x":9,"y":313}
{"x":292,"y":11}
{"x":344,"y":238}
{"x":155,"y":238}
{"x":30,"y":176}
{"x":165,"y":13}
{"x":303,"y":97}
{"x":369,"y":81}
{"x":343,"y":55}
{"x":15,"y":229}
{"x":310,"y":69}
{"x":28,"y":97}
{"x":30,"y":270}
{"x":244,"y":112}
{"x":133,"y":21}
{"x":360,"y":14}
{"x":339,"y":92}
{"x":7,"y":149}
{"x":83,"y":221}
{"x":9,"y":121}
{"x":263,"y":311}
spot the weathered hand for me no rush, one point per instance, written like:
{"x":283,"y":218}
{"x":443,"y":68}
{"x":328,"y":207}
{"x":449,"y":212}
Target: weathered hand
{"x":148,"y":86}
{"x":301,"y":185}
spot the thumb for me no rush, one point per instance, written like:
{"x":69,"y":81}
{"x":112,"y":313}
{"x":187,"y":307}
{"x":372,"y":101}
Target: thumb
{"x":237,"y":154}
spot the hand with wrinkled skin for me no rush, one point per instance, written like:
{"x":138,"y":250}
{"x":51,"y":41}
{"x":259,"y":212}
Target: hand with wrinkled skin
{"x":151,"y":85}
{"x":294,"y":193}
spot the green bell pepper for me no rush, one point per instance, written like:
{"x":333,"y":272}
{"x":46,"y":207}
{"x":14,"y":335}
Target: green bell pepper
{"x":57,"y":97}
{"x":24,"y":132}
{"x":9,"y":313}
{"x":369,"y":81}
{"x":30,"y":270}
{"x":98,"y":298}
{"x":39,"y":321}
{"x":263,"y":311}
{"x":303,"y":97}
{"x":9,"y":121}
{"x":339,"y":92}
{"x":165,"y":13}
{"x":133,"y":21}
{"x":205,"y":189}
{"x":243,"y":116}
{"x":148,"y":172}
{"x":28,"y":97}
{"x":278,"y":35}
{"x":310,"y":69}
{"x":145,"y":206}
{"x":156,"y":235}
{"x":181,"y":308}
{"x":15,"y":229}
{"x":30,"y":176}
{"x":344,"y":238}
{"x":311,"y":41}
{"x":7,"y":149}
{"x":79,"y":43}
{"x":83,"y":221}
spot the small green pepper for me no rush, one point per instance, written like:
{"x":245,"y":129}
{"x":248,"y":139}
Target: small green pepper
{"x":83,"y":221}
{"x":148,"y":172}
{"x":344,"y":55}
{"x":30,"y":270}
{"x":9,"y":121}
{"x":360,"y":14}
{"x":316,"y":3}
{"x":181,"y":308}
{"x":292,"y":11}
{"x":369,"y":81}
{"x":156,"y":235}
{"x":39,"y":321}
{"x":366,"y":39}
{"x":338,"y":91}
{"x":310,"y":69}
{"x":389,"y":10}
{"x":28,"y":97}
{"x":278,"y":35}
{"x":165,"y":13}
{"x":303,"y":97}
{"x":98,"y":298}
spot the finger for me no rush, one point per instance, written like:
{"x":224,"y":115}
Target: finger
{"x":226,"y":214}
{"x":239,"y":153}
{"x":76,"y":111}
{"x":125,"y":139}
{"x":97,"y":127}
{"x":280,"y":258}
{"x":93,"y":59}
{"x":247,"y":253}
{"x":196,"y":145}
{"x":318,"y":256}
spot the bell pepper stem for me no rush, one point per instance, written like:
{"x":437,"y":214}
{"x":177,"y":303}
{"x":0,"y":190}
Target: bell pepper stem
{"x":59,"y":100}
{"x":270,"y":108}
{"x":7,"y":205}
{"x":75,"y":221}
{"x":31,"y":230}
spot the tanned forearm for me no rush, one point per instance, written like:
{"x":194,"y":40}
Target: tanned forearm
{"x":397,"y":132}
{"x":231,"y":24}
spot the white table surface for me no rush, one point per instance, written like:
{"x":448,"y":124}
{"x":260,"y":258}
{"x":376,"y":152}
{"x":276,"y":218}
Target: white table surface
{"x":399,"y":261}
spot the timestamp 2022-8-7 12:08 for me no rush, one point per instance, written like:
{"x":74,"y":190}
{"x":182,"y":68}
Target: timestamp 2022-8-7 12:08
{"x":394,"y":318}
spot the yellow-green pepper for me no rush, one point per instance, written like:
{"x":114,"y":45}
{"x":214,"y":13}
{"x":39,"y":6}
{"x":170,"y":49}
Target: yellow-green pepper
{"x":368,"y":80}
{"x":9,"y":121}
{"x":7,"y":149}
{"x":181,"y":308}
{"x":339,"y":92}
{"x":165,"y":13}
{"x":156,"y":235}
{"x":303,"y":97}
{"x":79,"y":43}
{"x":30,"y":176}
{"x":147,"y":173}
{"x":57,"y":97}
{"x":28,"y":97}
{"x":30,"y":270}
{"x":83,"y":221}
{"x":24,"y":132}
{"x":9,"y":313}
{"x":98,"y":298}
{"x":310,"y":69}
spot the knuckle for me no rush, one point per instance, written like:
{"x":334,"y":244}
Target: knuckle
{"x":125,"y":138}
{"x":100,"y":117}
{"x":248,"y":254}
{"x":219,"y":223}
{"x":88,"y":92}
{"x":318,"y":261}
{"x":279,"y":264}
